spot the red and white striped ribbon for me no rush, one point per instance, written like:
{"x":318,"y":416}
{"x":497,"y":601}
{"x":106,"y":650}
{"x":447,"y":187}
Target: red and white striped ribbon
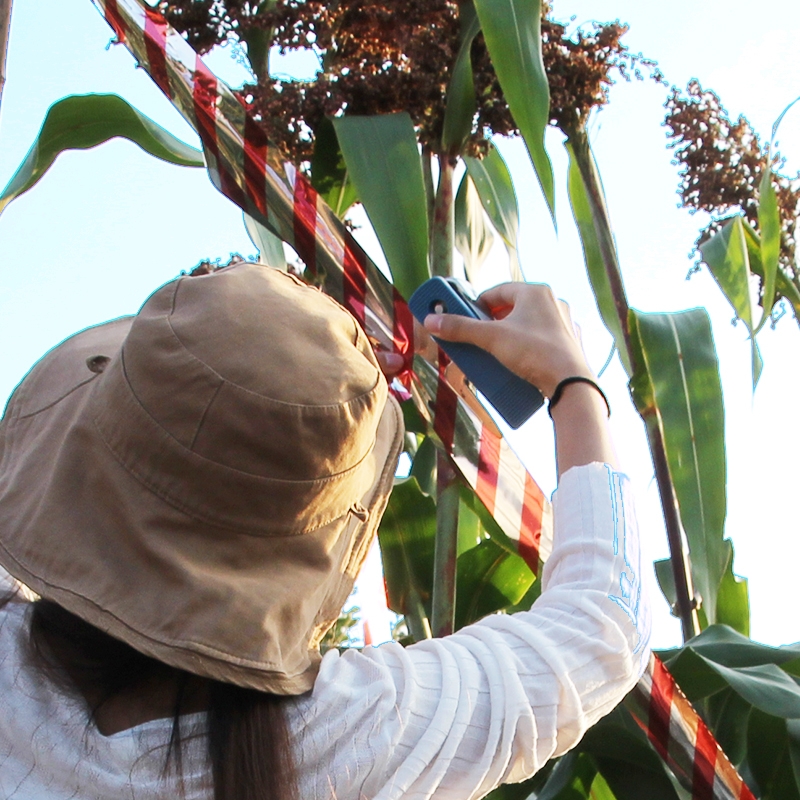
{"x":248,"y":170}
{"x":662,"y":711}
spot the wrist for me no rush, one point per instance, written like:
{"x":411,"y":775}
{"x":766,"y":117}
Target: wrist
{"x":578,"y":392}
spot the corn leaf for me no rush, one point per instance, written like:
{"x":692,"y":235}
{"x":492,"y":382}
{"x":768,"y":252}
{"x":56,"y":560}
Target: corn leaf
{"x":496,"y":191}
{"x":461,"y":103}
{"x":769,"y":224}
{"x":81,"y":122}
{"x":473,"y":234}
{"x":513,"y":33}
{"x":681,"y":363}
{"x":384,"y":165}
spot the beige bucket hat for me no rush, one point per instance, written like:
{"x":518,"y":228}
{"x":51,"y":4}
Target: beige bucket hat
{"x":203,"y":480}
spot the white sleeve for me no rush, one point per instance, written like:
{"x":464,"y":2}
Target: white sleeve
{"x":492,"y":703}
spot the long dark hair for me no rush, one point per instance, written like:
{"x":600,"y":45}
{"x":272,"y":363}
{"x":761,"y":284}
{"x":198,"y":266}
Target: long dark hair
{"x":249,"y":749}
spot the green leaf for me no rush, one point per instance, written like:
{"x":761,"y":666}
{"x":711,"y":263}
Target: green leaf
{"x":406,"y":536}
{"x":496,"y":191}
{"x":769,"y":224}
{"x":627,"y":762}
{"x":424,"y":467}
{"x":270,"y":247}
{"x":602,"y":791}
{"x":473,"y":235}
{"x":766,"y":687}
{"x":512,"y":30}
{"x":572,"y":775}
{"x":728,"y":259}
{"x":384,"y":164}
{"x":733,"y":601}
{"x":80,"y":122}
{"x":682,"y":366}
{"x":328,"y":171}
{"x":725,"y":646}
{"x":793,"y":731}
{"x":589,"y":210}
{"x":784,"y":287}
{"x":489,"y":579}
{"x":729,"y":715}
{"x":461,"y":103}
{"x":768,"y":758}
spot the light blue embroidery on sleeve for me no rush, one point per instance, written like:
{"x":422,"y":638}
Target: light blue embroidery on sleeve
{"x":630,"y":587}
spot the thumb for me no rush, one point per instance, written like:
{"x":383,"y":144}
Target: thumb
{"x":455,"y":328}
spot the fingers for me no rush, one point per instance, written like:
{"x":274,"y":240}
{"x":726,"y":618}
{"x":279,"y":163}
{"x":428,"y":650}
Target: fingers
{"x":455,"y":328}
{"x":391,"y":364}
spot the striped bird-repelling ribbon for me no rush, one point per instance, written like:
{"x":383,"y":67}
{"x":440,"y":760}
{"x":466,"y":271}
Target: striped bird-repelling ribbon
{"x":248,"y":170}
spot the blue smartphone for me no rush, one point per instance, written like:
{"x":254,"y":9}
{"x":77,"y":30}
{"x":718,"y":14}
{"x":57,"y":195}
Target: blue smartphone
{"x":514,"y":398}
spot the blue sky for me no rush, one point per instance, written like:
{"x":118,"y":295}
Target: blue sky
{"x":104,"y":228}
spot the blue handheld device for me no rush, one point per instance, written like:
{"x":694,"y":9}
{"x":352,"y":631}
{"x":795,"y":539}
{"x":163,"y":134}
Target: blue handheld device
{"x":514,"y":398}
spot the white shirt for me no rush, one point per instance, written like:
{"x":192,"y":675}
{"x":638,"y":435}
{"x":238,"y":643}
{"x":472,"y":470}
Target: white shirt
{"x":455,"y":716}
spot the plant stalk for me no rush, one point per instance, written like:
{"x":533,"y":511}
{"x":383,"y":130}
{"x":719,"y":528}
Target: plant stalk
{"x":447,"y":499}
{"x":443,"y":230}
{"x":446,"y":549}
{"x":686,"y":599}
{"x":5,"y":27}
{"x":687,"y":602}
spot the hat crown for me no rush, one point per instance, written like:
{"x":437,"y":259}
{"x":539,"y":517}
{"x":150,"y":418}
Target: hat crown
{"x":253,"y":370}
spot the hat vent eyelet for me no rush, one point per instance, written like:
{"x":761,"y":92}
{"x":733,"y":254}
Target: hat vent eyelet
{"x":97,"y":364}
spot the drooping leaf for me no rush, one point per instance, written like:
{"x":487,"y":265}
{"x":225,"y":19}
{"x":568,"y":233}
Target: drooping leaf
{"x":496,"y":191}
{"x":384,"y":164}
{"x":473,"y":234}
{"x":766,"y":687}
{"x":769,"y":224}
{"x":725,"y":646}
{"x":589,"y":210}
{"x":733,"y":600}
{"x":728,"y":258}
{"x":270,"y":247}
{"x":461,"y":103}
{"x":489,"y":579}
{"x":513,"y":33}
{"x":681,"y":362}
{"x":80,"y":122}
{"x":329,"y":172}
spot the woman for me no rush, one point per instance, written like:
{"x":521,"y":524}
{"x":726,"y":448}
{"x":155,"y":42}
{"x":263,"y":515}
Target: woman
{"x":192,"y":491}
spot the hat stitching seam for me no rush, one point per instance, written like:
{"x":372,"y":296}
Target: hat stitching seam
{"x":178,"y":505}
{"x":286,"y":481}
{"x":265,"y":398}
{"x":203,"y":415}
{"x":59,"y":399}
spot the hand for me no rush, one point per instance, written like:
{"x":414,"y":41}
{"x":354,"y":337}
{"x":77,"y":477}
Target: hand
{"x":392,"y":363}
{"x":531,"y":333}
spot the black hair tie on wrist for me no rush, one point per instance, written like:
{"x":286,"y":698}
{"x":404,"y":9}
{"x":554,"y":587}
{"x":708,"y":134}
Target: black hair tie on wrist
{"x":559,"y":390}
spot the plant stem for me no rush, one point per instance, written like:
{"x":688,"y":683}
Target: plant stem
{"x":444,"y":584}
{"x":686,"y":600}
{"x":5,"y":26}
{"x":417,"y":620}
{"x":443,"y":231}
{"x":446,"y":549}
{"x":679,"y":555}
